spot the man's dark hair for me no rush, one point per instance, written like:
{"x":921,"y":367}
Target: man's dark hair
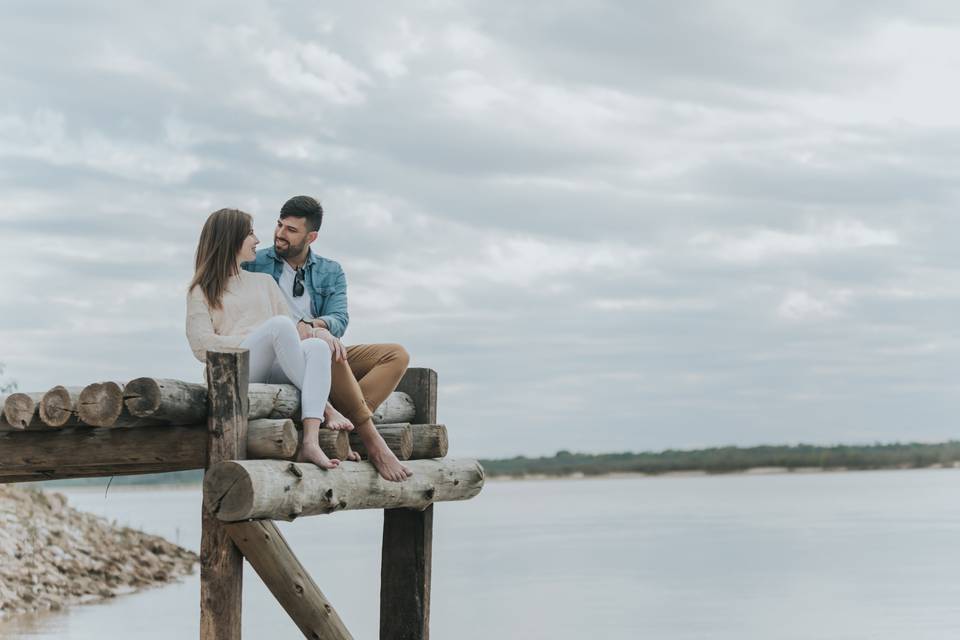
{"x":303,"y":207}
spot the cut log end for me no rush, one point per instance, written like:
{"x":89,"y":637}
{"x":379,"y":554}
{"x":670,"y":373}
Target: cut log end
{"x":142,"y":397}
{"x":100,"y":404}
{"x":57,"y":407}
{"x":19,"y":410}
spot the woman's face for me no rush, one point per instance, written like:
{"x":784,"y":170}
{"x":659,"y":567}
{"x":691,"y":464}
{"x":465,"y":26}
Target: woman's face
{"x":248,"y":251}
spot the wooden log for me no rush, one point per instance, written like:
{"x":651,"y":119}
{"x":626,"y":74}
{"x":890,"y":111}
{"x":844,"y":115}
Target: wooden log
{"x":88,"y":471}
{"x":20,"y":410}
{"x":399,"y":439}
{"x":68,"y":451}
{"x":58,"y":406}
{"x":100,"y":403}
{"x":179,"y":402}
{"x":406,"y":556}
{"x":397,"y":408}
{"x":336,"y":444}
{"x":244,"y":489}
{"x":267,"y":551}
{"x":26,"y":451}
{"x":405,"y":575}
{"x":221,"y":564}
{"x":421,"y":386}
{"x":267,"y":438}
{"x":429,"y":440}
{"x":274,"y":401}
{"x":172,"y":401}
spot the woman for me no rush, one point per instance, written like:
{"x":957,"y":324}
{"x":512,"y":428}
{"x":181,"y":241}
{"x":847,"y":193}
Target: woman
{"x":230,"y":307}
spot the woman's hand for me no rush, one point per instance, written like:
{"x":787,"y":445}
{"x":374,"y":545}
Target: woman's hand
{"x":336,"y":347}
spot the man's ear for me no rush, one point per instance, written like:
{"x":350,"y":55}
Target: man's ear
{"x":312,"y":236}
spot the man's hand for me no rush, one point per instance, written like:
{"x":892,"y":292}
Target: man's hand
{"x":336,"y":347}
{"x":305,"y":330}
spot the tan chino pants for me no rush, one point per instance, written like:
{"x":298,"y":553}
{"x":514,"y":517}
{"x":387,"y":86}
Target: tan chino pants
{"x":370,"y":374}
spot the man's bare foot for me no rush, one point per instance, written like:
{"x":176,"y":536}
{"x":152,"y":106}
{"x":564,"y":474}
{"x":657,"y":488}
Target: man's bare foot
{"x":387,"y":464}
{"x":333,"y":419}
{"x":313,"y":453}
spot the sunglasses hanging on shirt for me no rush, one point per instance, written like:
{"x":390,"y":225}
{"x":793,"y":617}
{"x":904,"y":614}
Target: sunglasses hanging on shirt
{"x":298,"y":283}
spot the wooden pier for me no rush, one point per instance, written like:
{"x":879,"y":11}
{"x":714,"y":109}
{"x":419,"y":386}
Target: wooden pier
{"x":245,"y":436}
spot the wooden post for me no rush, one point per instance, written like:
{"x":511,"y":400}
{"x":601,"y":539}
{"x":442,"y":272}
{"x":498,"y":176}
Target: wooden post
{"x":408,"y":539}
{"x":221,"y":564}
{"x":268,"y":553}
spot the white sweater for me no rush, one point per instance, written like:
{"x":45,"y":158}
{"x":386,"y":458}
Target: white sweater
{"x":250,"y":300}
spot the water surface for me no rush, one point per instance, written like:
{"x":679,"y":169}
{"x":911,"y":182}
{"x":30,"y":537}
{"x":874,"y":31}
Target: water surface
{"x":827,"y":555}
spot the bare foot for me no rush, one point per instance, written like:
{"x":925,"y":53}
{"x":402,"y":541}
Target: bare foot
{"x":313,"y":453}
{"x":353,"y":456}
{"x":334,"y":420}
{"x":386,"y":462}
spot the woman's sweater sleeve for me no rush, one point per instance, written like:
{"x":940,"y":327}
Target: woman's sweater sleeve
{"x":200,"y":332}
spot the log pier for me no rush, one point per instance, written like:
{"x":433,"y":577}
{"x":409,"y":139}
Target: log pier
{"x":246,"y":436}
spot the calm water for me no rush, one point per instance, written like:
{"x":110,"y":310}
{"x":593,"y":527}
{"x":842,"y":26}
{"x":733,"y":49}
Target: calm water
{"x":840,"y":555}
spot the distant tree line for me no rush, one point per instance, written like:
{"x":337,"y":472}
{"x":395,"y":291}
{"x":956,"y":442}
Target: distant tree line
{"x":733,"y":459}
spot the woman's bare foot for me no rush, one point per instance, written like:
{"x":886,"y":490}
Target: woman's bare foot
{"x":334,"y":420}
{"x":313,"y":453}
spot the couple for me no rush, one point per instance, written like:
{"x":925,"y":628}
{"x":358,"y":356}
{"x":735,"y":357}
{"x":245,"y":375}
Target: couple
{"x":288,"y":307}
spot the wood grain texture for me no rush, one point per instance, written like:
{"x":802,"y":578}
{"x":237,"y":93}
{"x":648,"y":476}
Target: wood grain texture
{"x":221,"y":564}
{"x":421,"y":385}
{"x":276,"y":490}
{"x":405,"y":570}
{"x":399,"y":439}
{"x":406,"y":554}
{"x":267,"y":551}
{"x":58,"y":406}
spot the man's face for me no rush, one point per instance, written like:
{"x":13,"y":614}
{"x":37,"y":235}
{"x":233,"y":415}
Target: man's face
{"x":291,"y":238}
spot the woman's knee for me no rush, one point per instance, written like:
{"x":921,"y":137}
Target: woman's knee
{"x":278,"y":325}
{"x":315,"y":347}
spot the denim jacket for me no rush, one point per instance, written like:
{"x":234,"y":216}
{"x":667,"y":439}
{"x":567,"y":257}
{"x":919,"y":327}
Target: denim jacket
{"x":324,"y":280}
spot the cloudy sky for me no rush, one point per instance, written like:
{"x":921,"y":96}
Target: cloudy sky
{"x":609,"y":226}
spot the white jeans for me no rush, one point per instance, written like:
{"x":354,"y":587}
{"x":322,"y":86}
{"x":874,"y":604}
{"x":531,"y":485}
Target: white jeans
{"x":278,"y":356}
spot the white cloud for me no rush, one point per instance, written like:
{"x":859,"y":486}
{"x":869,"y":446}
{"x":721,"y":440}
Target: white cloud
{"x":758,"y":245}
{"x":802,"y":306}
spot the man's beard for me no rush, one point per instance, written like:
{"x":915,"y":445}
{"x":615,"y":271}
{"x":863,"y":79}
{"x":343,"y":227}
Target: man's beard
{"x":287,"y":250}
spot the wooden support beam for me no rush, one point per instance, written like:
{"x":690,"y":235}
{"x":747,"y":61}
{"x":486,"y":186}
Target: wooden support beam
{"x":405,"y":567}
{"x":277,"y":490}
{"x":421,"y":385}
{"x":221,"y":564}
{"x":408,"y":538}
{"x":268,"y":553}
{"x":74,"y":452}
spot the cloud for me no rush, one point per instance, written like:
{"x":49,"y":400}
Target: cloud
{"x":758,"y":245}
{"x":736,"y":223}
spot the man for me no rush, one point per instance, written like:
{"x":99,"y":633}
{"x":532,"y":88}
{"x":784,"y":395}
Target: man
{"x":316,"y":291}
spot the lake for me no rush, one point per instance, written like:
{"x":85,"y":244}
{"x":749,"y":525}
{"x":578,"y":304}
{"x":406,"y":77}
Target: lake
{"x":804,"y":555}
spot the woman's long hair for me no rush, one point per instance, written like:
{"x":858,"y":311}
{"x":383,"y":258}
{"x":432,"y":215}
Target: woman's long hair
{"x":220,"y":242}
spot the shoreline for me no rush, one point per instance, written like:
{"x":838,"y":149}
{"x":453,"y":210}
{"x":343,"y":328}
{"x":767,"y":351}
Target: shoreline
{"x":753,"y":471}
